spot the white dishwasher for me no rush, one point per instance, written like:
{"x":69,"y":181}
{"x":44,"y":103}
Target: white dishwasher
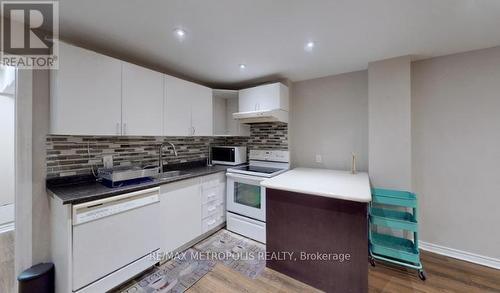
{"x":113,"y":239}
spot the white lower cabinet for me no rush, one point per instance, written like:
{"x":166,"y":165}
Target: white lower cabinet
{"x":180,"y":207}
{"x":190,"y":208}
{"x":213,"y":191}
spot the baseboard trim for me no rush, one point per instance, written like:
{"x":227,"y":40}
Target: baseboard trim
{"x":7,"y":227}
{"x":460,"y":254}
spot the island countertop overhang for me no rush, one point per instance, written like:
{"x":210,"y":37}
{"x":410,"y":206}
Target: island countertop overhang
{"x":323,"y":182}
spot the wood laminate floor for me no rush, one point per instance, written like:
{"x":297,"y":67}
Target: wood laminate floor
{"x":444,"y":274}
{"x":7,"y":262}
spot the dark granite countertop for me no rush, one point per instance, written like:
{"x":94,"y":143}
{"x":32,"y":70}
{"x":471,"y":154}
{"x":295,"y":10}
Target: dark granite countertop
{"x":80,"y":189}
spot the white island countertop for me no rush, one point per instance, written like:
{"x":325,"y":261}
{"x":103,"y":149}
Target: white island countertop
{"x":323,"y":182}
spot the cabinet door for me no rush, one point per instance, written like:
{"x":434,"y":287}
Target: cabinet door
{"x":142,"y":101}
{"x":265,"y":97}
{"x":201,"y":110}
{"x":180,"y":207}
{"x":85,"y":93}
{"x":177,"y":107}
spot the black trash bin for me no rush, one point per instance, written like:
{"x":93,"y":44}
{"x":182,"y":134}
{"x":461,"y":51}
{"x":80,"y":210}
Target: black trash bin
{"x":37,"y":279}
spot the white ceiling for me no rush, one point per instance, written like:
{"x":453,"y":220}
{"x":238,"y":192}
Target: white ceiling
{"x":269,"y":35}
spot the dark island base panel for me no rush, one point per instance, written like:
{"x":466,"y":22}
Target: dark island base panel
{"x":300,"y":223}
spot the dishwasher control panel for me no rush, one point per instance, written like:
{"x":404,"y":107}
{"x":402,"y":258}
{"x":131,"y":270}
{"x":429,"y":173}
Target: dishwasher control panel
{"x":95,"y":210}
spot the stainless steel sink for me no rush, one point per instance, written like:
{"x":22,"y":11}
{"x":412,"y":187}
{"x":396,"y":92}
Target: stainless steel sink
{"x":171,"y":174}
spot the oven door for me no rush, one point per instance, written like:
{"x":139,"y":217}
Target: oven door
{"x":245,"y":196}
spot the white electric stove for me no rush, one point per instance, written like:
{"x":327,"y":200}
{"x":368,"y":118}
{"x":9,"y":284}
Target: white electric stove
{"x":246,"y":199}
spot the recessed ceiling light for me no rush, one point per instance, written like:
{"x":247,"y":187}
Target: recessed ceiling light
{"x":309,"y":46}
{"x":242,"y":66}
{"x":180,"y":33}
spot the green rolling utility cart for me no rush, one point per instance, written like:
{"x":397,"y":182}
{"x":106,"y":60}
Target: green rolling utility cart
{"x":395,"y":210}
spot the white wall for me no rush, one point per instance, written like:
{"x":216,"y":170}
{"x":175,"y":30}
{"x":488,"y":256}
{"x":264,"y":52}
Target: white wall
{"x":389,"y":111}
{"x":7,"y":149}
{"x":329,"y":117}
{"x":7,"y":108}
{"x":456,"y":150}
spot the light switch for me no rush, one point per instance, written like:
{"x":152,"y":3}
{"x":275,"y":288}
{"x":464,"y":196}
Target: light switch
{"x":318,"y":158}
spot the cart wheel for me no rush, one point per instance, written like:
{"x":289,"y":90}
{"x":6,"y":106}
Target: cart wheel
{"x":372,"y":261}
{"x":422,"y":275}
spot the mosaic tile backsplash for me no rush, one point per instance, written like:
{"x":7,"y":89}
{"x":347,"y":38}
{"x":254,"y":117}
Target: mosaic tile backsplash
{"x":75,"y":155}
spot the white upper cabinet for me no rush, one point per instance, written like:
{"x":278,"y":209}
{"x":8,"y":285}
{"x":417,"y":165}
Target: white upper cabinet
{"x":93,"y":94}
{"x":265,"y":97}
{"x":177,"y":107}
{"x":142,"y":101}
{"x":85,"y":93}
{"x":201,"y":110}
{"x":188,"y":108}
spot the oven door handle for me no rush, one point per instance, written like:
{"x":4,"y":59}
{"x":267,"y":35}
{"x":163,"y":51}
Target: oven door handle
{"x":248,"y":177}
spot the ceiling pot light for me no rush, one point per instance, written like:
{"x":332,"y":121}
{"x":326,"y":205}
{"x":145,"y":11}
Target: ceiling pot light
{"x":180,"y":33}
{"x":309,"y":46}
{"x":242,"y":66}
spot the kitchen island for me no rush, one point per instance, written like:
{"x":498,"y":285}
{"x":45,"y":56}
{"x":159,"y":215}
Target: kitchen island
{"x":317,"y":227}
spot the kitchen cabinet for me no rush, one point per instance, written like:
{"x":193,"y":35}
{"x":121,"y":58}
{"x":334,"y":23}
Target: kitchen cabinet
{"x":188,"y":108}
{"x":142,"y":101}
{"x":225,"y":103}
{"x":93,"y":94}
{"x":201,"y":110}
{"x":190,"y":208}
{"x":181,"y":215}
{"x":85,"y":93}
{"x":213,"y":196}
{"x":265,"y":97}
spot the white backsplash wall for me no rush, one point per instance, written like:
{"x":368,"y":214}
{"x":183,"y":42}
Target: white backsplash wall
{"x":74,"y":155}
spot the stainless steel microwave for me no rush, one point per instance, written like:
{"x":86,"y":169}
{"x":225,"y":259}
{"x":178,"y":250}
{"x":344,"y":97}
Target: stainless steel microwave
{"x":229,"y":155}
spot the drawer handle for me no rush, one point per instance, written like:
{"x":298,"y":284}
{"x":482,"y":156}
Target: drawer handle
{"x":211,"y":208}
{"x":211,"y":195}
{"x":211,"y":222}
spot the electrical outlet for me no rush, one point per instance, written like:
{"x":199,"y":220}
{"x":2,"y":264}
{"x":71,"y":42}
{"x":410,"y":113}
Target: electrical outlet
{"x":318,"y":158}
{"x":107,"y":161}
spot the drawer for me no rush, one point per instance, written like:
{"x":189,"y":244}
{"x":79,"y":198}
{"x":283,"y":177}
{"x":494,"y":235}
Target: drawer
{"x":245,"y":226}
{"x":215,"y":207}
{"x":213,"y":193}
{"x":212,"y":222}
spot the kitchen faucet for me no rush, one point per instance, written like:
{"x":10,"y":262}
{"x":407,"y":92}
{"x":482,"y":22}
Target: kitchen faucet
{"x":160,"y":154}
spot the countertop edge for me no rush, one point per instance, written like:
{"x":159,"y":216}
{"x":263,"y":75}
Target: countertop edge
{"x":327,"y":195}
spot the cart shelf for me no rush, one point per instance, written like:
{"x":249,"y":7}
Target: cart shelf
{"x":394,"y":197}
{"x":394,"y":247}
{"x":393,"y":219}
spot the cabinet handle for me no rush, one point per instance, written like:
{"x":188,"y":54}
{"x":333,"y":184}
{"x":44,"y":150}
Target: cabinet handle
{"x":118,"y":128}
{"x":255,"y":107}
{"x":194,"y":130}
{"x":124,"y":128}
{"x":211,"y":208}
{"x":211,"y":195}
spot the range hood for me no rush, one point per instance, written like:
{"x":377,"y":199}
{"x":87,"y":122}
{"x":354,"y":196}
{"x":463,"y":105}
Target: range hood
{"x":259,"y":116}
{"x":264,"y":103}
